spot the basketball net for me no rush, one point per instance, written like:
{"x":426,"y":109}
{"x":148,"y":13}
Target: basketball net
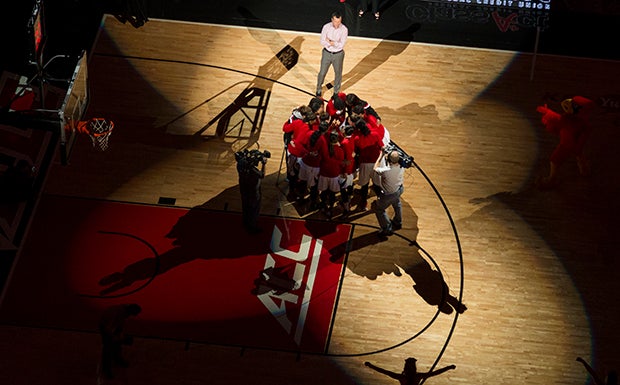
{"x":99,"y":131}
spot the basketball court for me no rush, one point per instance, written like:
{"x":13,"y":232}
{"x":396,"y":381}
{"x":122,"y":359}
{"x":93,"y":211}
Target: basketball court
{"x":183,"y":268}
{"x":475,"y":277}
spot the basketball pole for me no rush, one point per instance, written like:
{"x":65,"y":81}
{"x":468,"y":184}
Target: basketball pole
{"x":535,"y":52}
{"x":280,"y":168}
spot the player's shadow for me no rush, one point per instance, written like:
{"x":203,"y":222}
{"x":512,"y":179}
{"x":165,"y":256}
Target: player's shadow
{"x":199,"y":234}
{"x":212,"y":230}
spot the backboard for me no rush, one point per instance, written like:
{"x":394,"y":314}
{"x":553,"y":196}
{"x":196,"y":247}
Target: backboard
{"x":73,"y":107}
{"x":36,"y":30}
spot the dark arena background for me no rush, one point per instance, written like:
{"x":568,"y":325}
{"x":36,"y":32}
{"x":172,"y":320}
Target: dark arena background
{"x":130,"y":118}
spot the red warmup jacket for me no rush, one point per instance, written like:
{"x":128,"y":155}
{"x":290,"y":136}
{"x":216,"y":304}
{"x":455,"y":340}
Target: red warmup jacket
{"x":331,"y":110}
{"x":375,"y":126}
{"x":348,"y":146}
{"x":312,"y":154}
{"x":298,"y":128}
{"x":572,"y":128}
{"x":368,"y":147}
{"x":331,"y":164}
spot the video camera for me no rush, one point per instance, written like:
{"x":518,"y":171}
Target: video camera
{"x":252,"y":157}
{"x":405,"y":160}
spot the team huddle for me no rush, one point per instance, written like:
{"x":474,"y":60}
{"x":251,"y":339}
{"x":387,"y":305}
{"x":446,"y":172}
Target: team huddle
{"x":330,"y":146}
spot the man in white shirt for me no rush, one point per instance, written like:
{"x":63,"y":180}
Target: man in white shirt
{"x":333,"y":38}
{"x":390,"y":180}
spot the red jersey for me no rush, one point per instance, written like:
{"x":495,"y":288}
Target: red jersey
{"x":331,"y":164}
{"x":312,"y":154}
{"x":368,"y":147}
{"x":348,"y":146}
{"x":298,"y":129}
{"x":573,"y":128}
{"x":337,"y":115}
{"x":375,"y":126}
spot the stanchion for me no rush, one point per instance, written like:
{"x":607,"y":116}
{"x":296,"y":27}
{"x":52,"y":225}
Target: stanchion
{"x":535,"y":53}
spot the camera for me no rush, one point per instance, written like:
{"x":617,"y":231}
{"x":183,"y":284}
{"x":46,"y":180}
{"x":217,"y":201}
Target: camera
{"x":405,"y":160}
{"x":252,"y":157}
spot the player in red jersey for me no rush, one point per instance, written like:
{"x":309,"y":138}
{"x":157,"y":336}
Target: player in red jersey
{"x":573,"y":128}
{"x":329,"y":173}
{"x":368,"y":148}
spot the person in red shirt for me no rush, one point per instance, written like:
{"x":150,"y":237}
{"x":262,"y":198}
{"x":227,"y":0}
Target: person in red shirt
{"x":368,"y":148}
{"x":309,"y":166}
{"x":348,"y":170}
{"x":336,"y":108}
{"x":352,"y":100}
{"x":324,"y":117}
{"x":294,"y":128}
{"x":373,"y":123}
{"x":573,"y":128}
{"x":317,"y":105}
{"x":329,"y":173}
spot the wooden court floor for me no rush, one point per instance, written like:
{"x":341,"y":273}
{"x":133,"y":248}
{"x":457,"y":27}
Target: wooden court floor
{"x":537,"y":270}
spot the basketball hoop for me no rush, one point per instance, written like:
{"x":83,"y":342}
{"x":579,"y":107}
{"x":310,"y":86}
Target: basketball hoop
{"x":99,"y":131}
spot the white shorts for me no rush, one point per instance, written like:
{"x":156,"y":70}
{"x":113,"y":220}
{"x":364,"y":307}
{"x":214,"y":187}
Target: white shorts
{"x":366,"y":171}
{"x":292,"y":164}
{"x":308,"y":174}
{"x":326,"y":183}
{"x":345,"y":181}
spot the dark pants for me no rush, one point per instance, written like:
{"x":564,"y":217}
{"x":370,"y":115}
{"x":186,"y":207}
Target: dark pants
{"x":111,"y":348}
{"x":250,"y":207}
{"x":250,"y":188}
{"x":372,"y":4}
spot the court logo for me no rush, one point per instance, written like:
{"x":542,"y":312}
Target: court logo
{"x":286,"y":283}
{"x":504,"y":23}
{"x":521,"y":14}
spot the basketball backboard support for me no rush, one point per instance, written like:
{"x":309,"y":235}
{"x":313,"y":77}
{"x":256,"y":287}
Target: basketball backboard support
{"x":36,"y":30}
{"x":73,"y":107}
{"x":65,"y":106}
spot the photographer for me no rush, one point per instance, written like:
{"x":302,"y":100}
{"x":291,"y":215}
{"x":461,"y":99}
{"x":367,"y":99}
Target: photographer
{"x":390,"y":177}
{"x":250,"y":185}
{"x":111,"y":327}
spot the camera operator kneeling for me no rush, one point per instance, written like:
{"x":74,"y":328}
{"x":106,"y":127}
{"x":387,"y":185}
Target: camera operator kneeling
{"x":390,"y":177}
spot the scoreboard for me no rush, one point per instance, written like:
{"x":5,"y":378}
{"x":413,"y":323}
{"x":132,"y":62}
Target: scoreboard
{"x":543,"y":5}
